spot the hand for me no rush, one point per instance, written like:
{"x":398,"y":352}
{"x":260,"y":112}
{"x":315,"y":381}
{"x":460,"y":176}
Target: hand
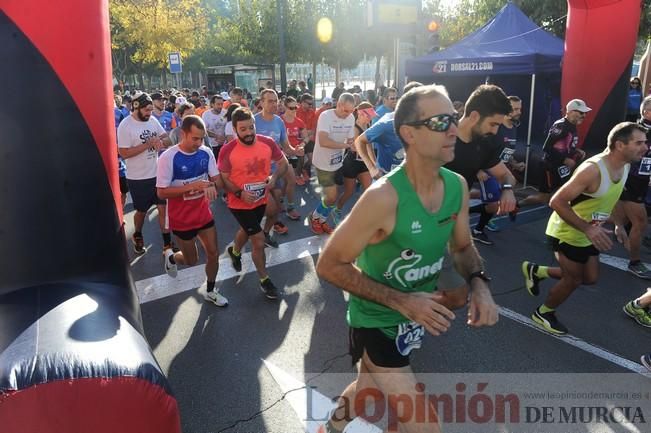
{"x":581,"y":153}
{"x":349,"y":143}
{"x":376,"y":172}
{"x":507,"y":202}
{"x":154,"y":143}
{"x":599,"y":237}
{"x":518,"y":166}
{"x":199,"y":185}
{"x":423,"y":309}
{"x":482,"y":310}
{"x":622,"y":237}
{"x":271,"y":183}
{"x":247,"y":197}
{"x":299,"y":150}
{"x":211,"y":192}
{"x":569,"y":162}
{"x":482,"y":176}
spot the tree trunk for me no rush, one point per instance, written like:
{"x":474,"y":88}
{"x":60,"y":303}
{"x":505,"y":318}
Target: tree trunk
{"x":163,"y":77}
{"x":141,"y":81}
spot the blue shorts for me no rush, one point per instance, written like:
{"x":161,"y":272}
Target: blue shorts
{"x":490,"y":190}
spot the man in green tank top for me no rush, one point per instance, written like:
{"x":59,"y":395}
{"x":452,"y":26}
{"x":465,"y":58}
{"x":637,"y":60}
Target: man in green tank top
{"x":388,"y":255}
{"x":575,"y":228}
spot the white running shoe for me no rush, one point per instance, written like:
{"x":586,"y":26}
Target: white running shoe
{"x":216,"y":298}
{"x":170,"y":266}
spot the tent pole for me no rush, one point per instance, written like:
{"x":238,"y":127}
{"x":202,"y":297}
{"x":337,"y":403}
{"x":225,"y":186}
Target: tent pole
{"x":526,"y":158}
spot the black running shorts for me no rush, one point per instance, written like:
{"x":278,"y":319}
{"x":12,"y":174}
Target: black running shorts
{"x":352,"y":166}
{"x":380,"y":349}
{"x":576,"y":254}
{"x":635,"y":190}
{"x":124,"y":185}
{"x":188,"y":235}
{"x":144,"y":194}
{"x":249,"y":219}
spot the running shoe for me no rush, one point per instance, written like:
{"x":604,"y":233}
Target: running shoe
{"x":293,"y":214}
{"x":646,"y":361}
{"x":138,"y":245}
{"x":492,"y":227}
{"x":640,"y":270}
{"x":280,"y":228}
{"x":531,"y":281}
{"x":481,"y":237}
{"x":270,"y":242}
{"x":171,"y":246}
{"x":216,"y":298}
{"x":268,"y":288}
{"x":640,"y":315}
{"x":236,"y":261}
{"x":315,"y":225}
{"x":337,"y":216}
{"x":549,"y":322}
{"x":170,"y":265}
{"x":306,"y":176}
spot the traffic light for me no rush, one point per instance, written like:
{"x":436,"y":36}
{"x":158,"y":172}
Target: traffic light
{"x":433,"y":37}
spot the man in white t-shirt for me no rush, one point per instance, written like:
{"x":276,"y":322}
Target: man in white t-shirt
{"x":140,"y":138}
{"x":335,"y":132}
{"x":215,"y":120}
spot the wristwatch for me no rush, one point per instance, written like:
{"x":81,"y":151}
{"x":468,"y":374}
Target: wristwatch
{"x":479,"y":274}
{"x":507,"y":186}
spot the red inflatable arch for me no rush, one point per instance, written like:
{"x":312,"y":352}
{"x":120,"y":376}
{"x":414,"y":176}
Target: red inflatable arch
{"x":73,"y":357}
{"x":599,"y":46}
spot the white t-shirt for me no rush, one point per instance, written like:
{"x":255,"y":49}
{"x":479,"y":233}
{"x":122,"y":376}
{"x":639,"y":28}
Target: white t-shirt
{"x":228,"y":130}
{"x":338,"y":130}
{"x":215,"y":123}
{"x":131,"y":133}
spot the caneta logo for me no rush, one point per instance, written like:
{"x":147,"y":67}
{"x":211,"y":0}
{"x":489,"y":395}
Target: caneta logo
{"x":405,"y":270}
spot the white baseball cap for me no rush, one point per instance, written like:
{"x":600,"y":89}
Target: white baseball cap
{"x":577,"y":105}
{"x":180,"y":100}
{"x":225,"y":96}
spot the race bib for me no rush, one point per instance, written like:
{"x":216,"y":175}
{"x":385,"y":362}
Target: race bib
{"x":598,"y":218}
{"x":256,"y":188}
{"x":507,"y":154}
{"x":195,"y":194}
{"x":645,"y":167}
{"x":410,"y":337}
{"x":336,"y":158}
{"x":564,"y":171}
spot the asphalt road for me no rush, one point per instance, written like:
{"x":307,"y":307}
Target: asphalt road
{"x":217,"y":358}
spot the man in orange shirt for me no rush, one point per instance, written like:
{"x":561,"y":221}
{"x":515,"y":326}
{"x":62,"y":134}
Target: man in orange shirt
{"x":244,"y":165}
{"x":306,"y":113}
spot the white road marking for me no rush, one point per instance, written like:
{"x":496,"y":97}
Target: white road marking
{"x":297,"y":396}
{"x":578,"y":343}
{"x":162,"y":286}
{"x":617,"y":262}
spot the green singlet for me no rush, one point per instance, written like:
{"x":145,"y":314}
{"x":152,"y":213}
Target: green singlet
{"x":411,"y":257}
{"x":594,"y":208}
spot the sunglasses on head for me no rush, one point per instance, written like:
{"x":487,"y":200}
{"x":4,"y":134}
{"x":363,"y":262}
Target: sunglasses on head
{"x":437,"y":123}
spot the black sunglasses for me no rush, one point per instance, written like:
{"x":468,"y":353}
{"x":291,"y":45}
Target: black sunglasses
{"x":437,"y":123}
{"x":292,"y":108}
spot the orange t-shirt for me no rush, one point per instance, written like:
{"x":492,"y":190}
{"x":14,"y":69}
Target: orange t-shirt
{"x":200,"y":111}
{"x":308,"y":117}
{"x":243,"y":102}
{"x":249,"y":168}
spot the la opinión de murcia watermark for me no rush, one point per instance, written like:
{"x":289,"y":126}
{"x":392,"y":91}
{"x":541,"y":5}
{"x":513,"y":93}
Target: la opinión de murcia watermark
{"x":477,"y":405}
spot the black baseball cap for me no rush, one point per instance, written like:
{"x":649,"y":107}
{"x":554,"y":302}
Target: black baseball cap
{"x":157,"y":96}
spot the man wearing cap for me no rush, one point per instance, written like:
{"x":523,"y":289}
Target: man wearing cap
{"x":560,"y":152}
{"x":164,"y":117}
{"x":140,"y":138}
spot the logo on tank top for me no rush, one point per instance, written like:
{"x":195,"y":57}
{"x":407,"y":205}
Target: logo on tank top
{"x":405,"y":268}
{"x":416,"y":227}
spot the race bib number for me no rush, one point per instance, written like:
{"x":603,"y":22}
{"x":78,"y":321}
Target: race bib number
{"x":336,"y":158}
{"x":256,"y":188}
{"x":645,"y":167}
{"x":410,"y":337}
{"x":507,"y":154}
{"x":194,"y":195}
{"x":598,"y":218}
{"x":564,"y":171}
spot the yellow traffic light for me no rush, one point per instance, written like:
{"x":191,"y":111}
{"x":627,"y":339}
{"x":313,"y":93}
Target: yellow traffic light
{"x":433,"y":26}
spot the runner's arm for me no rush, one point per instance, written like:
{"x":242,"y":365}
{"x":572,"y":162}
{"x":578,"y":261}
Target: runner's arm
{"x":365,"y":150}
{"x":130,"y":152}
{"x":326,"y":142}
{"x":482,"y":310}
{"x":370,"y":220}
{"x":504,"y":175}
{"x":178,"y":191}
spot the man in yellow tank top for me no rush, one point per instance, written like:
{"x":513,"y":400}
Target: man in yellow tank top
{"x":575,"y":228}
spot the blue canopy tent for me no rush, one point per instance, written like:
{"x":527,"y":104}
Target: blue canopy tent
{"x":509,"y":44}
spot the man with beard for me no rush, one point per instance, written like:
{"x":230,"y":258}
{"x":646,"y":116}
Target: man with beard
{"x":244,"y":165}
{"x":188,"y":179}
{"x":561,"y":154}
{"x":632,"y":201}
{"x":489,"y":186}
{"x":140,"y":138}
{"x":575,"y":228}
{"x":477,"y":149}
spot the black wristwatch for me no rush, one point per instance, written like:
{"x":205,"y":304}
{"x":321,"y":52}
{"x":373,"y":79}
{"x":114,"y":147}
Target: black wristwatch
{"x":238,"y":193}
{"x":479,"y":274}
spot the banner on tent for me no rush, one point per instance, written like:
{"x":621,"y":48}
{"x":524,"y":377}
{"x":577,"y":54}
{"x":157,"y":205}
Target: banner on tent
{"x":443,"y":67}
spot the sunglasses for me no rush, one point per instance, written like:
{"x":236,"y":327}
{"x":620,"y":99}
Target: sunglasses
{"x":292,"y":108}
{"x":392,"y":98}
{"x":437,"y":123}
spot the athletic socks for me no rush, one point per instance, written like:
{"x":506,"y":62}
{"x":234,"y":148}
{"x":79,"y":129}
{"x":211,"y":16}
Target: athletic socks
{"x":322,"y":211}
{"x":484,"y":218}
{"x":545,"y":309}
{"x":541,"y":271}
{"x":167,"y":238}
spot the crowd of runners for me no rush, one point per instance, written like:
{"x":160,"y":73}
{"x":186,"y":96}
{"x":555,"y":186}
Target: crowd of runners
{"x":405,"y":252}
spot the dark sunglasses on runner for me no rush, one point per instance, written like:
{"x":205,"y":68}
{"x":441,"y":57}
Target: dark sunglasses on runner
{"x":437,"y":123}
{"x":292,"y":108}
